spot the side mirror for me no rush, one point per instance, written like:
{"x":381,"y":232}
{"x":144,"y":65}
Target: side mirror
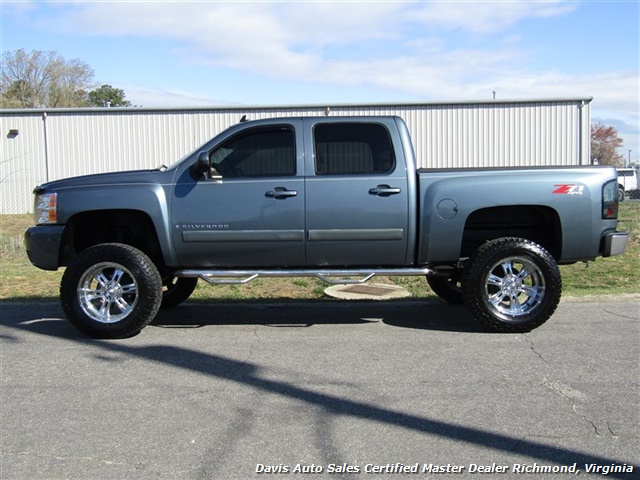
{"x":203,"y":164}
{"x":201,"y":168}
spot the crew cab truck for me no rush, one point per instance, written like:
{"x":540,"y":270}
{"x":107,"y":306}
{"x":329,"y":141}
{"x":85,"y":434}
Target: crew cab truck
{"x":338,"y":198}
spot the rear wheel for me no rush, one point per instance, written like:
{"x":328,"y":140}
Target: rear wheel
{"x":512,"y":285}
{"x":448,"y":289}
{"x":111,"y":291}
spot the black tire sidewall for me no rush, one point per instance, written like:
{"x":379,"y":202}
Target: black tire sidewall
{"x":478,"y":268}
{"x":149,"y":293}
{"x":445,"y":289}
{"x":179,"y":292}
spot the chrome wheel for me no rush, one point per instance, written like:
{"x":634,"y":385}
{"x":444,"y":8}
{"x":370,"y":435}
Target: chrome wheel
{"x":107,"y":292}
{"x":111,"y":290}
{"x":514,"y":287}
{"x":511,"y":285}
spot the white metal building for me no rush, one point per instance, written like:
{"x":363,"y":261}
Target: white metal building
{"x":39,"y":145}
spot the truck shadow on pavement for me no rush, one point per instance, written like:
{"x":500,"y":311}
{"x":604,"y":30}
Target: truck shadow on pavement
{"x":414,"y":314}
{"x":46,"y":319}
{"x":428,"y":315}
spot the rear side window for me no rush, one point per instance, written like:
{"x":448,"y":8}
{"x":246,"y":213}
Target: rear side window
{"x":353,"y":149}
{"x":260,"y":152}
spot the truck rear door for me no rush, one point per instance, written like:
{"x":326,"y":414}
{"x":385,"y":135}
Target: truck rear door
{"x":357,"y":210}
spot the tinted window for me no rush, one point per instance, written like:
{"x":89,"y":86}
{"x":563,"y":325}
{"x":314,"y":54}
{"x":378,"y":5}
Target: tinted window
{"x":352,"y":148}
{"x":257,"y":153}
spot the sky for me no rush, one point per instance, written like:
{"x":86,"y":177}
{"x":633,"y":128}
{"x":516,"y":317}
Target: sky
{"x":219,"y":53}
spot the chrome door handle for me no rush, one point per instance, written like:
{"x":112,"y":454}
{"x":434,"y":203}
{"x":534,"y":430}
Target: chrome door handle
{"x":281,"y":192}
{"x":384,"y":190}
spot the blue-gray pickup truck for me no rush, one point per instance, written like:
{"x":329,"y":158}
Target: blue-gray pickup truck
{"x":339,"y":198}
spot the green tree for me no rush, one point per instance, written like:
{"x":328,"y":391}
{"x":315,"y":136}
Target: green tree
{"x":604,"y":145}
{"x":108,"y":96}
{"x":16,"y":94}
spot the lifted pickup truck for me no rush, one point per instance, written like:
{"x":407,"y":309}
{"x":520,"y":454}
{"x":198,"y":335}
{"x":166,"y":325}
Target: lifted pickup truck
{"x":336,"y":198}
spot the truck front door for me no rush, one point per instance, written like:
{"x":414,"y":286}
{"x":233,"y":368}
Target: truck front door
{"x":357,"y":194}
{"x":252,"y":214}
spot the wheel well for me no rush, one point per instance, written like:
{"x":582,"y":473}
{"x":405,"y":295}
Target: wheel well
{"x":536,"y":223}
{"x":130,"y":227}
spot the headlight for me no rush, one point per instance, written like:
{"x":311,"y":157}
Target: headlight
{"x":46,"y":208}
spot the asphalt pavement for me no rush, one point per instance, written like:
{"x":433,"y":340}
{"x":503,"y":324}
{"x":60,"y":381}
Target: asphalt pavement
{"x":325,"y":389}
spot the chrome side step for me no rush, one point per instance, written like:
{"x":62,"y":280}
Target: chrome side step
{"x":332,"y":277}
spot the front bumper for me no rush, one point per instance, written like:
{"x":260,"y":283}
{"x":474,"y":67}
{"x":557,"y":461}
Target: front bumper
{"x":42,"y":243}
{"x":615,"y":243}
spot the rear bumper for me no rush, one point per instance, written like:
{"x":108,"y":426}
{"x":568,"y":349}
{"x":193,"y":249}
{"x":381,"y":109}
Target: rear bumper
{"x":43,"y":245}
{"x":615,"y":243}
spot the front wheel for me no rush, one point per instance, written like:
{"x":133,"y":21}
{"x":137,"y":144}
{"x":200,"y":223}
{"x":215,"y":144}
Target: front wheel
{"x":176,"y":290}
{"x":111,"y":291}
{"x":512,"y":285}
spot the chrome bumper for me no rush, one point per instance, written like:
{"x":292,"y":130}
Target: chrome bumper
{"x":615,"y":243}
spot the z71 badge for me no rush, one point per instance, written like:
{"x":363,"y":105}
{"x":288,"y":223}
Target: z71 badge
{"x":568,"y":189}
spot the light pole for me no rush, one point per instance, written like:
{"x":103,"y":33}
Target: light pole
{"x":629,"y":163}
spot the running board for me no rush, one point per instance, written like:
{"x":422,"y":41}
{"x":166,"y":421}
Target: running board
{"x":332,"y":277}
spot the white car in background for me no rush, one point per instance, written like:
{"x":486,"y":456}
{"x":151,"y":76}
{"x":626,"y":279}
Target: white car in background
{"x":628,"y":183}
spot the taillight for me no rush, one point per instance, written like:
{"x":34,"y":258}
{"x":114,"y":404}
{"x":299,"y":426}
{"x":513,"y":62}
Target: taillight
{"x":610,"y":200}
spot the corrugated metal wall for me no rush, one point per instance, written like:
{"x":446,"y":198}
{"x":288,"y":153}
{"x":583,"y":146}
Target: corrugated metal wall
{"x":53,"y":144}
{"x":22,"y":161}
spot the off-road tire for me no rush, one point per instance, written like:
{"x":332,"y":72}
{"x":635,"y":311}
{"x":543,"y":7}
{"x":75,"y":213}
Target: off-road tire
{"x":176,"y":290}
{"x":512,"y":285}
{"x":448,"y":289}
{"x":111,"y":290}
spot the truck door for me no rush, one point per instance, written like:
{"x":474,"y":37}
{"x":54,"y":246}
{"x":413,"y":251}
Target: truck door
{"x":357,"y":194}
{"x":252,"y":215}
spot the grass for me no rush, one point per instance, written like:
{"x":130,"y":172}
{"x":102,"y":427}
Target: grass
{"x":613,"y":275}
{"x":606,"y":276}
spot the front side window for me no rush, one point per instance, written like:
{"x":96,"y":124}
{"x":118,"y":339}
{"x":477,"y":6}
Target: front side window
{"x":260,"y":152}
{"x":352,"y":149}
